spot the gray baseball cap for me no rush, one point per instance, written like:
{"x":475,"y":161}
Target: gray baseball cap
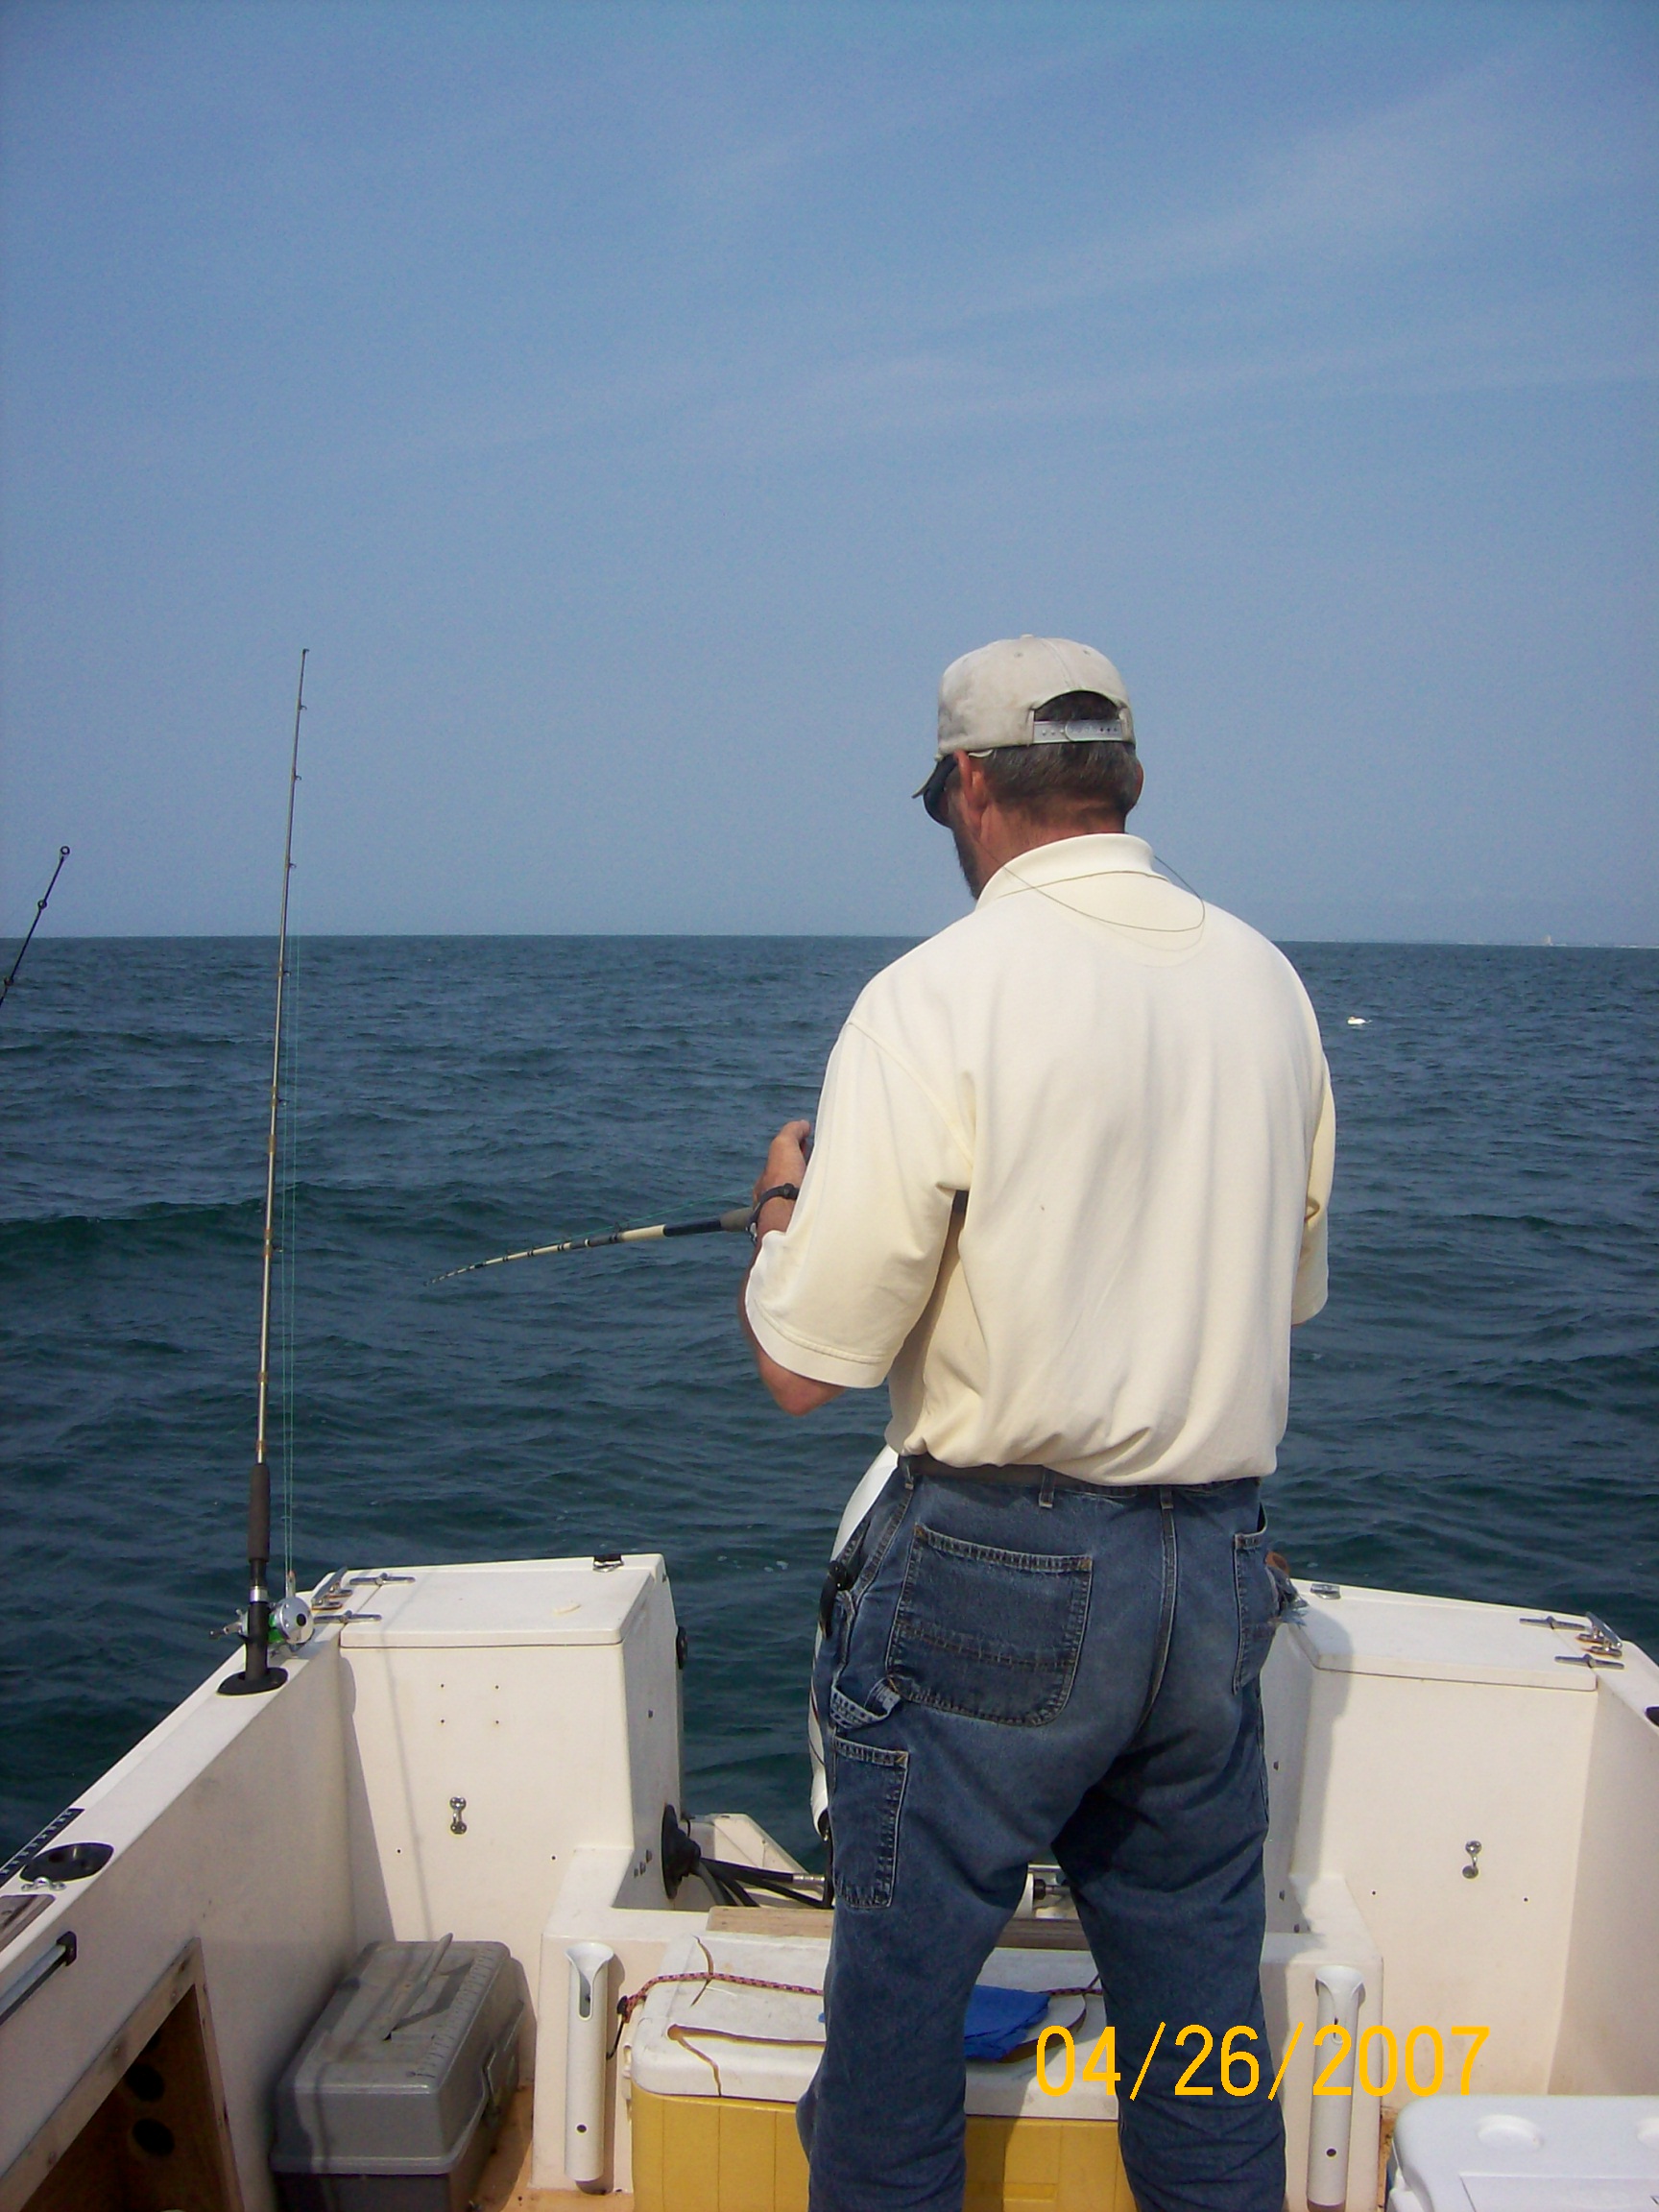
{"x":994,"y":696}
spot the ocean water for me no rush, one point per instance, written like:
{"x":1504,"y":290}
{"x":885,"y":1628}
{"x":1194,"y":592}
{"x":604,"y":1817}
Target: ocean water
{"x":1473,"y":1414}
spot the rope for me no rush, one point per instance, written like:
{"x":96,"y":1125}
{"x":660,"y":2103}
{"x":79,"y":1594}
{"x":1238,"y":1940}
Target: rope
{"x":628,"y":2005}
{"x":679,"y":2033}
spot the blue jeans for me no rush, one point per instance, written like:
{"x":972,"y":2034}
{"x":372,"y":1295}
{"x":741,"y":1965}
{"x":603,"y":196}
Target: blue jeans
{"x":1018,"y":1670}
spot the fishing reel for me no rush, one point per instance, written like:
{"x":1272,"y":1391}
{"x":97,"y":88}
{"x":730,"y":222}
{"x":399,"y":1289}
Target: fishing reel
{"x":292,"y":1623}
{"x":291,"y":1620}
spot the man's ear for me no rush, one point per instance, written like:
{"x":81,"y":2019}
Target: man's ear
{"x":973,"y":785}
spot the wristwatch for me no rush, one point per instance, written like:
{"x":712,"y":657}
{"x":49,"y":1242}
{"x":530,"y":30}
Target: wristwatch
{"x":777,"y":1191}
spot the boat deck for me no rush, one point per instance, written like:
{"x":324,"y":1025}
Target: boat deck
{"x":1459,"y":1799}
{"x":504,"y":2185}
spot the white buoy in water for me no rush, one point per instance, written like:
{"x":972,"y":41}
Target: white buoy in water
{"x":1355,"y":1021}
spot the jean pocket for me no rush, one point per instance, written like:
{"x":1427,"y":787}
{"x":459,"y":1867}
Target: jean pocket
{"x":866,"y":1799}
{"x":1257,"y":1597}
{"x":988,"y":1633}
{"x":847,"y":1716}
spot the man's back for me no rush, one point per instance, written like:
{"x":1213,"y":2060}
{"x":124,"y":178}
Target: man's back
{"x":1067,"y":1198}
{"x":1128,"y":1088}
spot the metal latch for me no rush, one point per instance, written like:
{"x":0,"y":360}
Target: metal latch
{"x":18,"y":1993}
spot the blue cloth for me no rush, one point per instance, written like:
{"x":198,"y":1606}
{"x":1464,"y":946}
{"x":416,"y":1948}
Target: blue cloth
{"x":1009,"y":1677}
{"x":1000,"y":2020}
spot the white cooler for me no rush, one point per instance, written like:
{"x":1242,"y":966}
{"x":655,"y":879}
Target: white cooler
{"x":701,"y":2039}
{"x":1526,"y":2154}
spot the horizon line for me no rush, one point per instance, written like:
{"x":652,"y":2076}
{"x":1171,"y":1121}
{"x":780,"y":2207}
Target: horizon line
{"x":872,"y":936}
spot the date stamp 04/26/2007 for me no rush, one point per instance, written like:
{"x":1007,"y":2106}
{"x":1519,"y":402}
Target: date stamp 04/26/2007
{"x":1419,"y":2062}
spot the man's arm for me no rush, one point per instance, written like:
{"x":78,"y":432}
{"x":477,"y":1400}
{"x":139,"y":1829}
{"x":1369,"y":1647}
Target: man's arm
{"x":1312,"y":1280}
{"x":786,"y":1163}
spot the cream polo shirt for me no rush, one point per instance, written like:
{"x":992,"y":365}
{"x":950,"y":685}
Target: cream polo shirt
{"x":1068,"y":1188}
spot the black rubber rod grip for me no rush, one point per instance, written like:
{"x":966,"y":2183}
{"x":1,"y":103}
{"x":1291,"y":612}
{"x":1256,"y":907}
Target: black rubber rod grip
{"x":259,"y":1513}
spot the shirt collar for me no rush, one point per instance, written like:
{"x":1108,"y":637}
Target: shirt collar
{"x":1113,"y":854}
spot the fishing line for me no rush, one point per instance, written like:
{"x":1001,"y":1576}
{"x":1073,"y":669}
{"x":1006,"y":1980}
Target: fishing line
{"x":258,"y":1674}
{"x":1107,"y":921}
{"x":288,"y":1258}
{"x":1170,"y":868}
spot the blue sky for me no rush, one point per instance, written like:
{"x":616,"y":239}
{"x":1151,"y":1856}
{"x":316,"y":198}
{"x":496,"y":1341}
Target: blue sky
{"x":632,"y":409}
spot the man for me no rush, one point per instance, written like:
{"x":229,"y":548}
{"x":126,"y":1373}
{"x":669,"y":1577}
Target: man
{"x":1067,"y":1198}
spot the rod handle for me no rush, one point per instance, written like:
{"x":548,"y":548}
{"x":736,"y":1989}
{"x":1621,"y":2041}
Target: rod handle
{"x":259,"y":1514}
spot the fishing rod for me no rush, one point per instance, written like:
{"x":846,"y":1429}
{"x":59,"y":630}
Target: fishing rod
{"x":258,"y":1673}
{"x":736,"y":1220}
{"x":7,"y":982}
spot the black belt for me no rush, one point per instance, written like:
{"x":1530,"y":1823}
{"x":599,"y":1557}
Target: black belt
{"x":919,"y":1463}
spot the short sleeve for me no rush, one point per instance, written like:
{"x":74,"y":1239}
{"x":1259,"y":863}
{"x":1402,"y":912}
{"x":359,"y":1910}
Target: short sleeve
{"x":835,"y":1296}
{"x":1312,"y":1273}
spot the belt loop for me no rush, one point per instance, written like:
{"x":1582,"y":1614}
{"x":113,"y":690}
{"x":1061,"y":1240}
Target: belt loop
{"x":908,"y":1467}
{"x":1045,"y":1496}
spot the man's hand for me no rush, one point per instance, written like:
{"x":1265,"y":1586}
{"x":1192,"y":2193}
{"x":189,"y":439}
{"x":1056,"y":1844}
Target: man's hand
{"x":786,"y":1163}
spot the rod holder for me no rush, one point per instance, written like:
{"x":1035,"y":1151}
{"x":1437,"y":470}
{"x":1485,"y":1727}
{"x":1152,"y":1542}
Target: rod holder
{"x":1341,"y":1991}
{"x":587,"y":2033}
{"x":257,"y":1673}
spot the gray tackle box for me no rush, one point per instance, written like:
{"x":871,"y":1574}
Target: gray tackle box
{"x":396,"y":2096}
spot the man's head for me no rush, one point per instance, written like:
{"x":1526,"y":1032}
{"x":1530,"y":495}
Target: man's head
{"x":1036,"y":743}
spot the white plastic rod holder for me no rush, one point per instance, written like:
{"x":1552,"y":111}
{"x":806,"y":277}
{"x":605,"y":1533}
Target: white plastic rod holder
{"x":587,"y":2036}
{"x":1341,"y":1991}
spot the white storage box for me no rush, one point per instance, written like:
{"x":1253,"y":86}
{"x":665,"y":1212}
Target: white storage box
{"x":1526,"y":2154}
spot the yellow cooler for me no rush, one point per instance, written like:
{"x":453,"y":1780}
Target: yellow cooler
{"x":719,"y":2057}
